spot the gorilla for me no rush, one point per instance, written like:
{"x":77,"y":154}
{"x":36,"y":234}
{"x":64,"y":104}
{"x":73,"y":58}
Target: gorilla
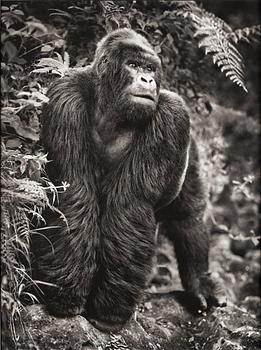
{"x":123,"y":145}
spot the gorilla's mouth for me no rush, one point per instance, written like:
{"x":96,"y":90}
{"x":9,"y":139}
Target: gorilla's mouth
{"x":145,"y":96}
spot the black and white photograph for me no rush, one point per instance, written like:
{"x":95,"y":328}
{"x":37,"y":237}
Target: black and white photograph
{"x":130,"y":175}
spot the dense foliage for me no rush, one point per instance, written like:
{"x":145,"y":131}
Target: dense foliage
{"x":41,"y":41}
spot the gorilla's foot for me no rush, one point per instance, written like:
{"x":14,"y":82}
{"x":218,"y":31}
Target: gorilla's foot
{"x":66,"y":304}
{"x":105,"y":319}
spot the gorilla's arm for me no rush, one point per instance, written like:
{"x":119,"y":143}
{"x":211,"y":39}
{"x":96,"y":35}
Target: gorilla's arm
{"x":66,"y":136}
{"x":182,"y":221}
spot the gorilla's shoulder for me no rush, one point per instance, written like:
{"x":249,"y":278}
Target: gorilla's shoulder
{"x":173,"y":105}
{"x":80,"y":75}
{"x":74,"y":79}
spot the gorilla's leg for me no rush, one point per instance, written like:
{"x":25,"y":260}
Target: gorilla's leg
{"x":125,"y":263}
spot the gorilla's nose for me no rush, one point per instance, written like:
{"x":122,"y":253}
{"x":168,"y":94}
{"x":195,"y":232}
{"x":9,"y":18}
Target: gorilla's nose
{"x":146,"y":82}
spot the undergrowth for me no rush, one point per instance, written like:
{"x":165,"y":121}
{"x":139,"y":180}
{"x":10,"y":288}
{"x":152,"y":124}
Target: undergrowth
{"x":22,"y":203}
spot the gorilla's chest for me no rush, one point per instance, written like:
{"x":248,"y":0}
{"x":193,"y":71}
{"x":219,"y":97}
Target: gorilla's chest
{"x":111,"y":147}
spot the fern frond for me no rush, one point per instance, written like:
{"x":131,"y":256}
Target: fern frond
{"x":182,"y":7}
{"x":213,"y":38}
{"x":248,"y":34}
{"x":216,"y":21}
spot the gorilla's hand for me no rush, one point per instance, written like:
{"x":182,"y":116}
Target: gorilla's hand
{"x":210,"y":291}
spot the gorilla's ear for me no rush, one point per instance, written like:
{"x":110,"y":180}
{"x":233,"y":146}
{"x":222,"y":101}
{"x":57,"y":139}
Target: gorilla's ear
{"x":101,"y":65}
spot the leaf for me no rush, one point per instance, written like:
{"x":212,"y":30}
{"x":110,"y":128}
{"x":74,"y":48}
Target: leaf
{"x":81,"y":62}
{"x":66,"y":59}
{"x":255,"y":240}
{"x":33,"y":95}
{"x":60,"y":13}
{"x":36,"y":25}
{"x":40,"y":96}
{"x":19,"y":60}
{"x":41,"y":70}
{"x":46,"y":48}
{"x":10,"y":49}
{"x":27,"y":102}
{"x":247,"y":34}
{"x":55,"y":66}
{"x":23,"y":165}
{"x":50,"y":62}
{"x":34,"y":169}
{"x":18,"y":12}
{"x":23,"y":93}
{"x":170,"y":38}
{"x":20,"y":128}
{"x":14,"y":143}
{"x":213,"y":35}
{"x":60,"y":59}
{"x":59,"y":43}
{"x":54,"y":71}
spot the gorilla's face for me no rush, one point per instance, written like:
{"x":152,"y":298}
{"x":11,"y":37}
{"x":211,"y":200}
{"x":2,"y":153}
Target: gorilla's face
{"x":138,"y":94}
{"x":143,"y":88}
{"x":130,"y":76}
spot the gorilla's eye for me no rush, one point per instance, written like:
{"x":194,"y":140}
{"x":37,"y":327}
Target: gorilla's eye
{"x":133,"y":64}
{"x":150,"y":68}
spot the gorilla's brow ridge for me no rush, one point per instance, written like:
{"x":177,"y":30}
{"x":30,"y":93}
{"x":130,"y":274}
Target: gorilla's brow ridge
{"x":132,"y":49}
{"x":139,"y":45}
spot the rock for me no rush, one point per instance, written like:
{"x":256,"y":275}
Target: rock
{"x":76,"y":333}
{"x":253,"y":305}
{"x":165,"y":325}
{"x":167,"y":321}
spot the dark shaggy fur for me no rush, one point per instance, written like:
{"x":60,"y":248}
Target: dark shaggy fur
{"x":127,"y":166}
